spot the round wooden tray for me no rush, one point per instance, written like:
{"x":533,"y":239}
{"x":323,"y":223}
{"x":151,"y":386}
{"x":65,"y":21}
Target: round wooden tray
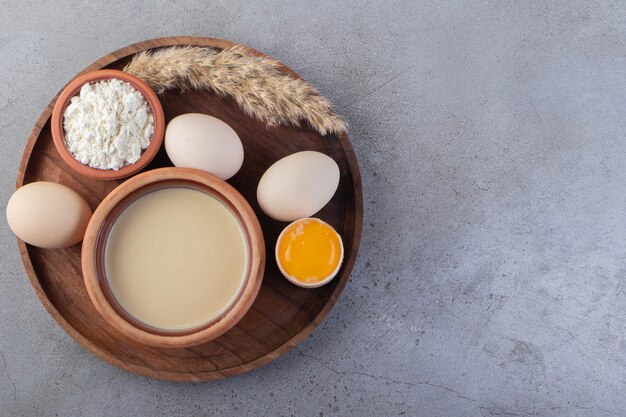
{"x":282,"y":315}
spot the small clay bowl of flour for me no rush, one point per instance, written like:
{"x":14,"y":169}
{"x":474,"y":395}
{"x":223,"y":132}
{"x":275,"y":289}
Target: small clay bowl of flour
{"x":107,"y":124}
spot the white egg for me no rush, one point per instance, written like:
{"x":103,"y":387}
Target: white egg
{"x":48,"y":215}
{"x":195,"y":140}
{"x":298,"y":185}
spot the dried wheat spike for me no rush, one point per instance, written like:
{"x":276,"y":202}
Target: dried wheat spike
{"x":255,"y":83}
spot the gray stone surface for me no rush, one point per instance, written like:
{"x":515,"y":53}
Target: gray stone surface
{"x":492,"y":274}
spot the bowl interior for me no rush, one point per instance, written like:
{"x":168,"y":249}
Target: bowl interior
{"x":72,"y":89}
{"x":107,"y":225}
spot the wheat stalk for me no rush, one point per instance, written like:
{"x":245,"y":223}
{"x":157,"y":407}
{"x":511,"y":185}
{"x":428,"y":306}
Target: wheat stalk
{"x":255,"y":83}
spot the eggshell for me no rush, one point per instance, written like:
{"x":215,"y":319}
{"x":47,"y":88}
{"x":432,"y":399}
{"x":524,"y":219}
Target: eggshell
{"x":48,"y":215}
{"x":298,"y":185}
{"x":195,"y":140}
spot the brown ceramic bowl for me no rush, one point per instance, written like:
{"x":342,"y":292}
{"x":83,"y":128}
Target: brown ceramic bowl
{"x":94,"y":243}
{"x":58,"y":133}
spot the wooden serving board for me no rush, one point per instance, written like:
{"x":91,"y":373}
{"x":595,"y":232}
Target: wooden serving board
{"x":282,"y":315}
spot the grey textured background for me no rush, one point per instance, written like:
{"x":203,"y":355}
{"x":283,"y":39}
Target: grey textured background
{"x":491,"y":277}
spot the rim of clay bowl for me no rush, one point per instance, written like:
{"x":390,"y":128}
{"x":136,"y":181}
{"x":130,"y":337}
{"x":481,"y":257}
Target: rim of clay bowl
{"x":58,"y":133}
{"x":94,"y":245}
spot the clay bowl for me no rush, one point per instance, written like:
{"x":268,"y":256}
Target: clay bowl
{"x":93,"y":259}
{"x":58,"y":133}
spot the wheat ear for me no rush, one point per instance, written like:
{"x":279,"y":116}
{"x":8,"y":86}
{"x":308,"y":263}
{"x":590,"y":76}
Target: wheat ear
{"x":255,"y":83}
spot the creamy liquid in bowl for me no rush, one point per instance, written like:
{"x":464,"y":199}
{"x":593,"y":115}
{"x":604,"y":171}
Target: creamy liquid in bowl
{"x":176,"y":258}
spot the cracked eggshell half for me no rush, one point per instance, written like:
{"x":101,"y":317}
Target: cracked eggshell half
{"x":204,"y":142}
{"x":48,"y":215}
{"x":298,"y":186}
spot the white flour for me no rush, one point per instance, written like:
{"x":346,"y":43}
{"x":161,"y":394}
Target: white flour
{"x":108,"y":124}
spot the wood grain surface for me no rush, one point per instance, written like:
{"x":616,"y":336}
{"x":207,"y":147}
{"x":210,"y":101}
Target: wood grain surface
{"x":282,"y":315}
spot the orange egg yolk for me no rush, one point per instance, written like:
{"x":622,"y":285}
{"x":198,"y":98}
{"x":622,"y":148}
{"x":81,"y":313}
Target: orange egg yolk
{"x":309,"y":250}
